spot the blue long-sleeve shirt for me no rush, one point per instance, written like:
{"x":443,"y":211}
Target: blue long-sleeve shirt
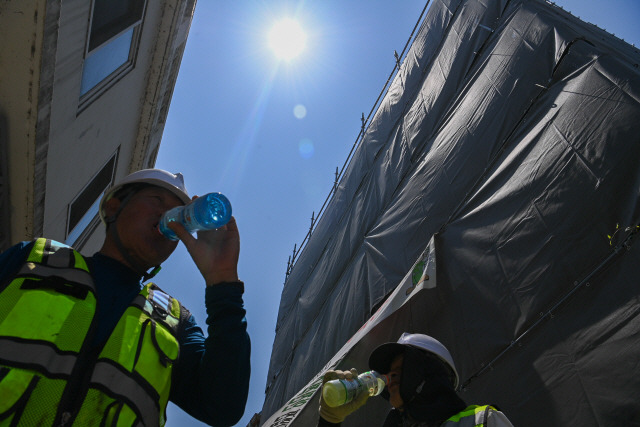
{"x":210,"y":380}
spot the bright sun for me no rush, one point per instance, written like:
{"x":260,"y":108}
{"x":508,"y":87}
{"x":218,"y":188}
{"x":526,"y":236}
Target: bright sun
{"x":286,"y":39}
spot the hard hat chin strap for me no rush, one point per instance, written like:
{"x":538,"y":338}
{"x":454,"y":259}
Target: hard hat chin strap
{"x":150,"y":274}
{"x":112,"y":229}
{"x":137,"y":267}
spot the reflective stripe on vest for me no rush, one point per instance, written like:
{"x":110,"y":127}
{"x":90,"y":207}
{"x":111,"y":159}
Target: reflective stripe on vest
{"x":26,"y":354}
{"x":472,"y":416}
{"x":39,"y":347}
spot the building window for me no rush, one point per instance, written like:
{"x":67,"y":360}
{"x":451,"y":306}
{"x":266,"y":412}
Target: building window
{"x":84,"y":208}
{"x":112,"y":44}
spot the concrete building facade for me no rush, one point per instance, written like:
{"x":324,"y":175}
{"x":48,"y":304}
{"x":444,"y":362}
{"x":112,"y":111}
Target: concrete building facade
{"x":85,"y":88}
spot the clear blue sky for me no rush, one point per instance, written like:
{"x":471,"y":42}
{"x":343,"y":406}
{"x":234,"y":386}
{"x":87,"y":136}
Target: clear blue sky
{"x":231,"y":128}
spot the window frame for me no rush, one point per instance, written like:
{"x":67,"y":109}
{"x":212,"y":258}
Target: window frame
{"x":75,"y":231}
{"x":111,"y":79}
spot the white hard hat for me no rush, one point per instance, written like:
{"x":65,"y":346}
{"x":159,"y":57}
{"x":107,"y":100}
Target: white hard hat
{"x":158,"y":177}
{"x":383,"y":355}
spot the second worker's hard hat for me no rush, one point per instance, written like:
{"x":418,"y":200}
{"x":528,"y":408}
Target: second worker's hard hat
{"x":381,"y":358}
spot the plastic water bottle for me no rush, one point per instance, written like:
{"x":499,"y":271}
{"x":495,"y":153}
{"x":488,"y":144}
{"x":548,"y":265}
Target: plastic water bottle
{"x":208,"y":212}
{"x":341,"y":392}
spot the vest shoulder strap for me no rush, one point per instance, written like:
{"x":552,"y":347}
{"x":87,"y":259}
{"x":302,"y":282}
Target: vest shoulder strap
{"x":56,"y":266}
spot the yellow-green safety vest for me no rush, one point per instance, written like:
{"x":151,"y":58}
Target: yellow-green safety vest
{"x":47,"y":315}
{"x":476,"y":416}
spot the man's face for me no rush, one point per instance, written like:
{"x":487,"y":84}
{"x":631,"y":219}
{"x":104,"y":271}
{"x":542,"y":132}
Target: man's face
{"x":137,"y":225}
{"x":395,"y":373}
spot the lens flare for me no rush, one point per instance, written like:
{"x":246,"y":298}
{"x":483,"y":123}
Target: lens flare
{"x":300,"y":111}
{"x":306,"y":149}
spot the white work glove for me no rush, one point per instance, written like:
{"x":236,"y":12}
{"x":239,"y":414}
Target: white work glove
{"x":339,"y":413}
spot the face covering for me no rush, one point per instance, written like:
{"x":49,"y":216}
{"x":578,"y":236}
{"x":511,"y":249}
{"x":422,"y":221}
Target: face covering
{"x":426,"y":388}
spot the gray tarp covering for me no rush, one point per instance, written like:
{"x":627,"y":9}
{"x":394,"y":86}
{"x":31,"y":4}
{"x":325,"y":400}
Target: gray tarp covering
{"x":511,"y":135}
